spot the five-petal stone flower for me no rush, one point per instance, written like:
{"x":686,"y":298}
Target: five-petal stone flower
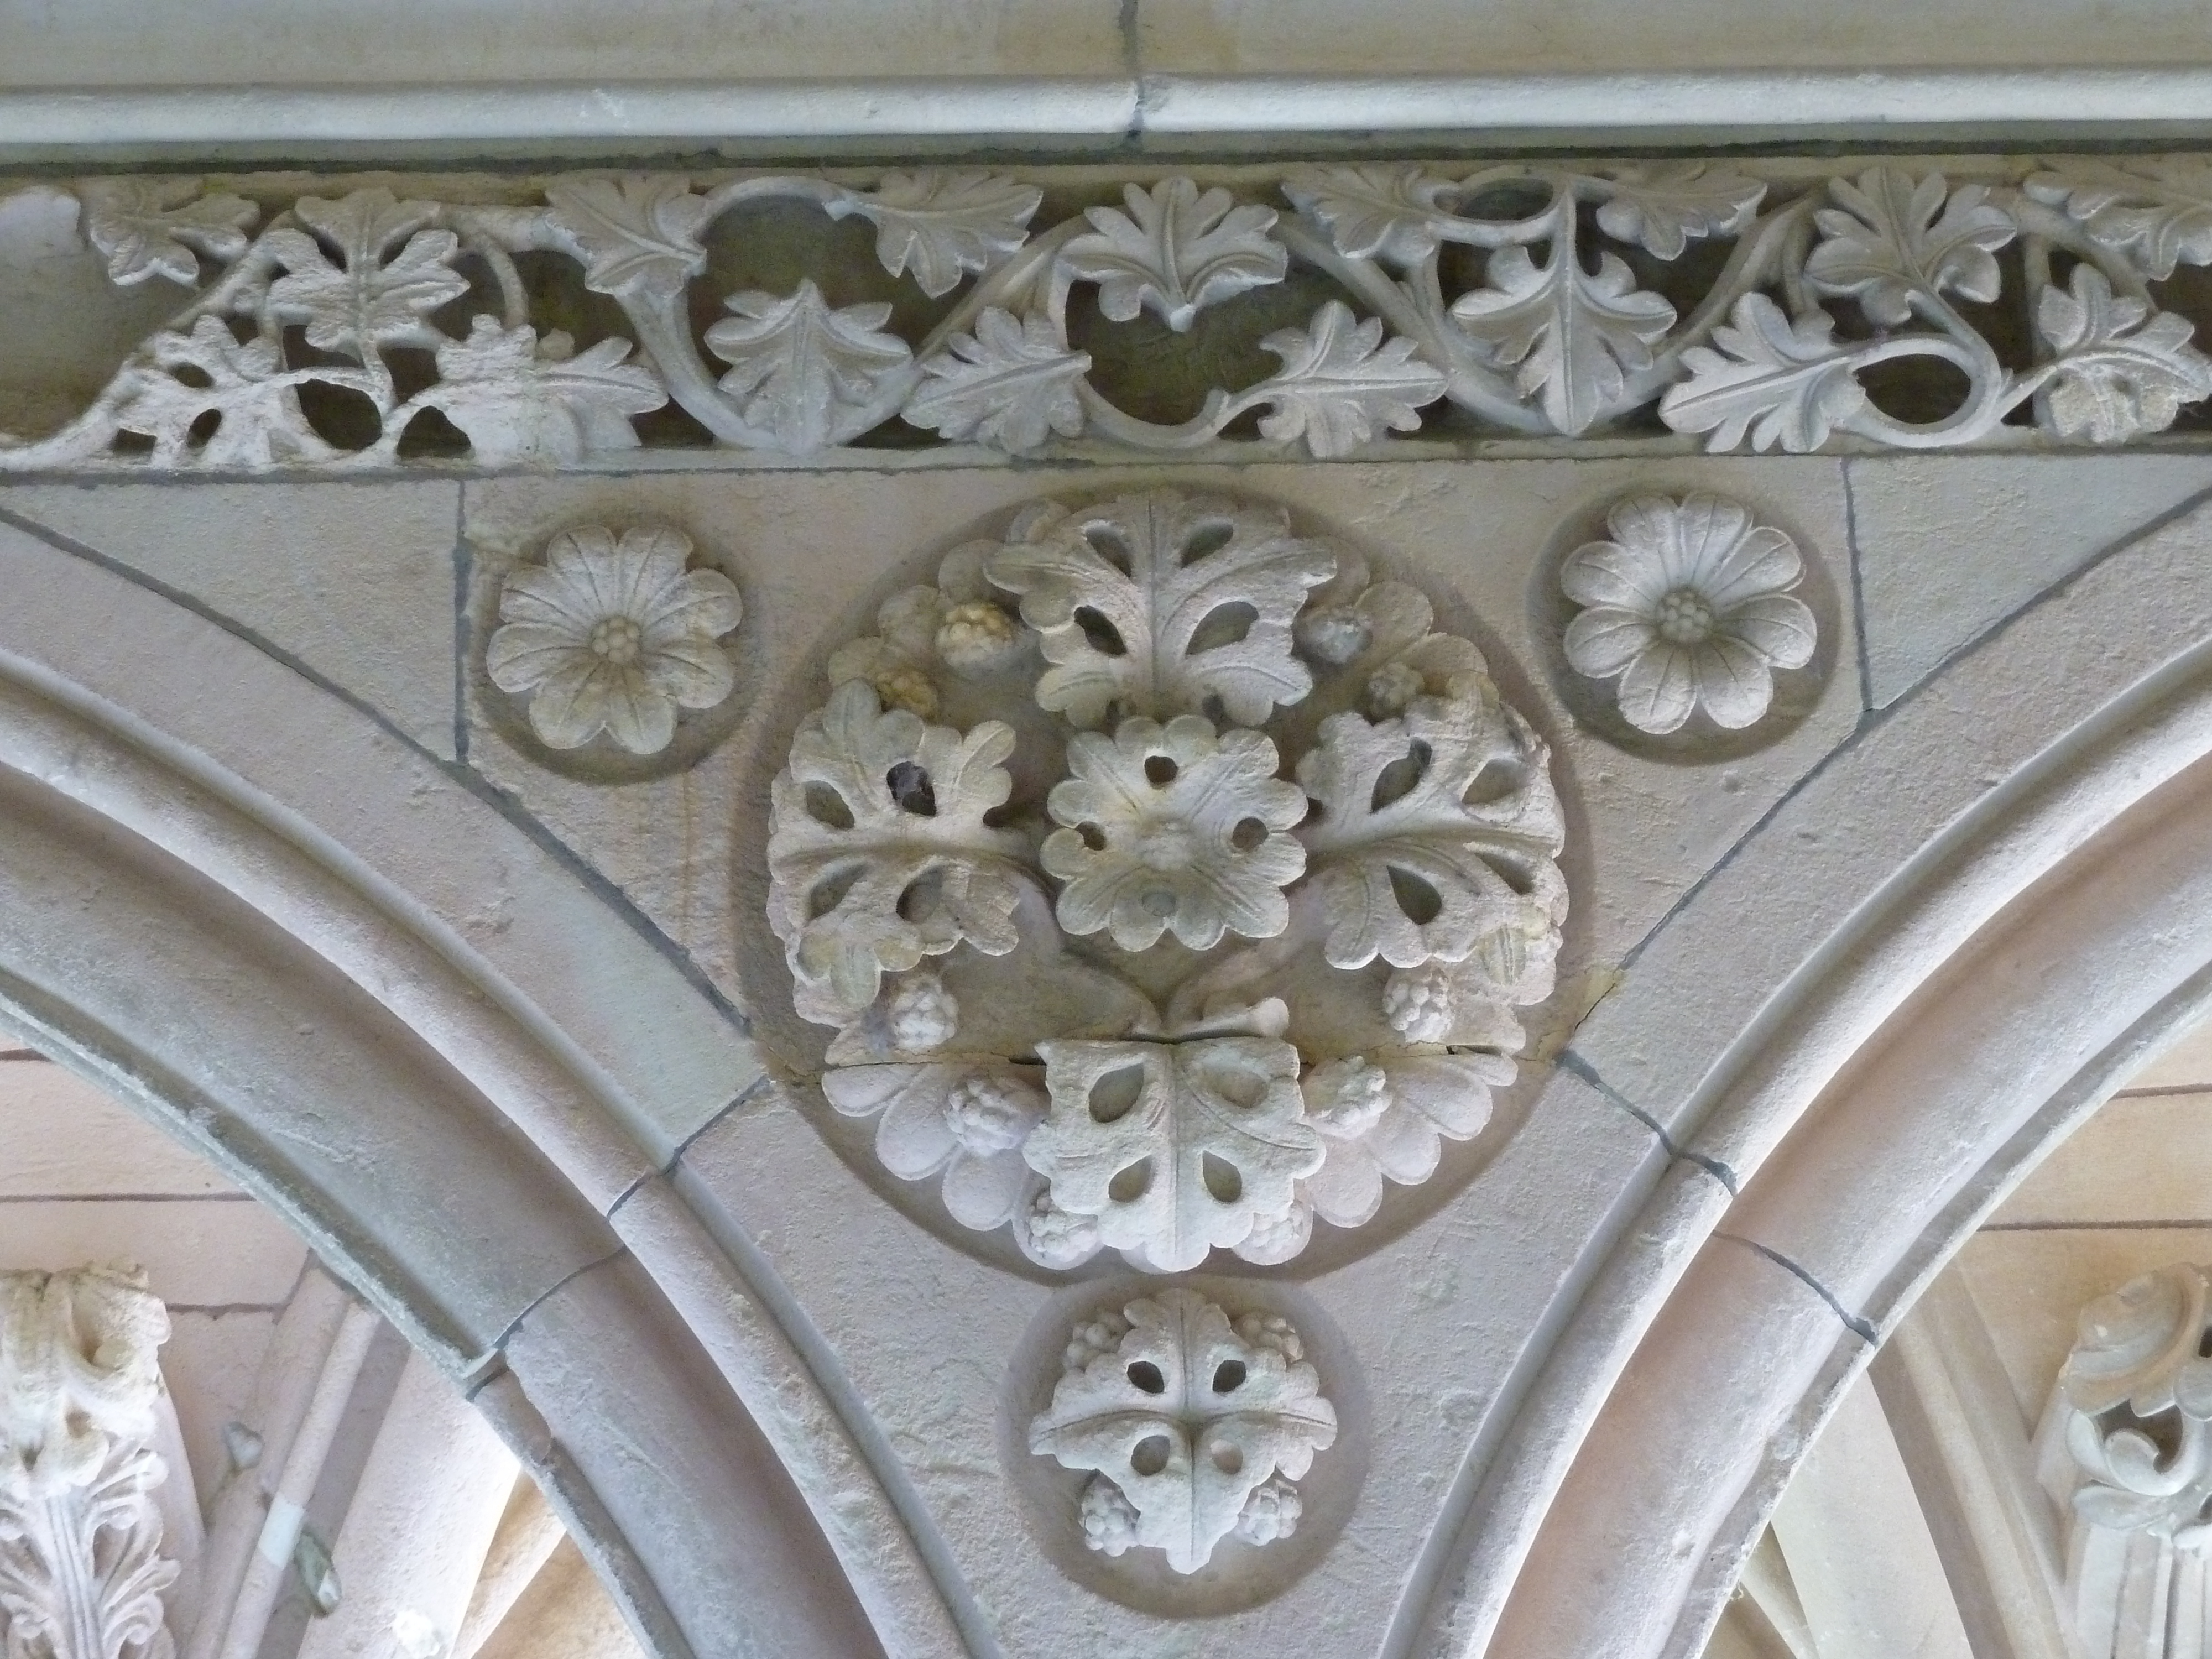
{"x":1172,"y":827}
{"x":1689,"y":604}
{"x":614,"y":634}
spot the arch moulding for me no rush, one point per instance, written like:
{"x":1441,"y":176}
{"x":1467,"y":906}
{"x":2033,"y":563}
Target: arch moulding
{"x":2025,"y":920}
{"x":272,"y":962}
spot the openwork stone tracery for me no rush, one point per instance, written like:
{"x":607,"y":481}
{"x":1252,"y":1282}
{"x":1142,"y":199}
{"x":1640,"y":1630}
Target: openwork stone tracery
{"x":338,"y":327}
{"x":1169,"y":882}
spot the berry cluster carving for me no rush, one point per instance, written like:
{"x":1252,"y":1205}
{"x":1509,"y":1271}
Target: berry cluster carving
{"x":1169,"y":882}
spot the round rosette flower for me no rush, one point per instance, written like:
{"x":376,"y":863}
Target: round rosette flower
{"x":1689,"y":605}
{"x":614,"y":634}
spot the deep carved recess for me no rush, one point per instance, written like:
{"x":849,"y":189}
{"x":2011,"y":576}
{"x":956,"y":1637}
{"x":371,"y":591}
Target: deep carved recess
{"x":1758,"y":305}
{"x":1169,"y":882}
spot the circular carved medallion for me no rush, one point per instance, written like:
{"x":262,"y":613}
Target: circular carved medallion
{"x":1167,"y":883}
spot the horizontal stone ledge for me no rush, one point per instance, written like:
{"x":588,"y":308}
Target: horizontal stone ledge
{"x":1685,"y":104}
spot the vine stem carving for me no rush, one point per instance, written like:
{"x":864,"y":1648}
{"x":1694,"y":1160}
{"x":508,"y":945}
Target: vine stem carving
{"x":1525,"y":299}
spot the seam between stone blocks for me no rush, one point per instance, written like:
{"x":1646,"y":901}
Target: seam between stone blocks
{"x":1133,"y":65}
{"x":464,"y":572}
{"x":1858,"y":590}
{"x":1856,"y":1324}
{"x":1576,"y":1065}
{"x":493,"y":1361}
{"x":1872,"y":720}
{"x":758,"y":1086}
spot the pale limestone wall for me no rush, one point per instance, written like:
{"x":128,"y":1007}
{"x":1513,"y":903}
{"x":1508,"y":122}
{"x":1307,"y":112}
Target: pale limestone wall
{"x":1431,"y":1315}
{"x":114,"y":43}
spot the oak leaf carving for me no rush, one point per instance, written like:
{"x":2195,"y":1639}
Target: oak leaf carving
{"x":1125,"y":597}
{"x":1766,"y":378}
{"x":878,"y":853}
{"x":1175,"y":251}
{"x":1175,"y":1148}
{"x":1011,"y":383}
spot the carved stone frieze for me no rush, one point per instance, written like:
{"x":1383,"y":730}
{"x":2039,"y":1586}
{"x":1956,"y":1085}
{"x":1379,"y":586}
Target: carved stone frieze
{"x":1167,"y":880}
{"x":80,"y":1569}
{"x":1688,"y":609}
{"x":344,"y":327}
{"x":1198,"y":1426}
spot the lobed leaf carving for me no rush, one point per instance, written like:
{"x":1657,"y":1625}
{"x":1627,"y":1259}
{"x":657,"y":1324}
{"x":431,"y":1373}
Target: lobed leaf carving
{"x":637,"y":236}
{"x":245,"y":385}
{"x":1372,"y":211}
{"x":2157,"y":213}
{"x":912,"y":869}
{"x":519,"y":397}
{"x":1174,"y":1148}
{"x":1232,"y":1406}
{"x":2122,"y":369}
{"x":1012,"y":384}
{"x":1176,"y":251}
{"x":161,"y":226}
{"x":1407,"y":867}
{"x":1576,"y":335}
{"x":1663,"y":206}
{"x":1121,"y":593}
{"x":1768,"y":379}
{"x":941,"y":225}
{"x":394,"y":273}
{"x":1339,"y":382}
{"x":1893,"y":239}
{"x":807,"y":374}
